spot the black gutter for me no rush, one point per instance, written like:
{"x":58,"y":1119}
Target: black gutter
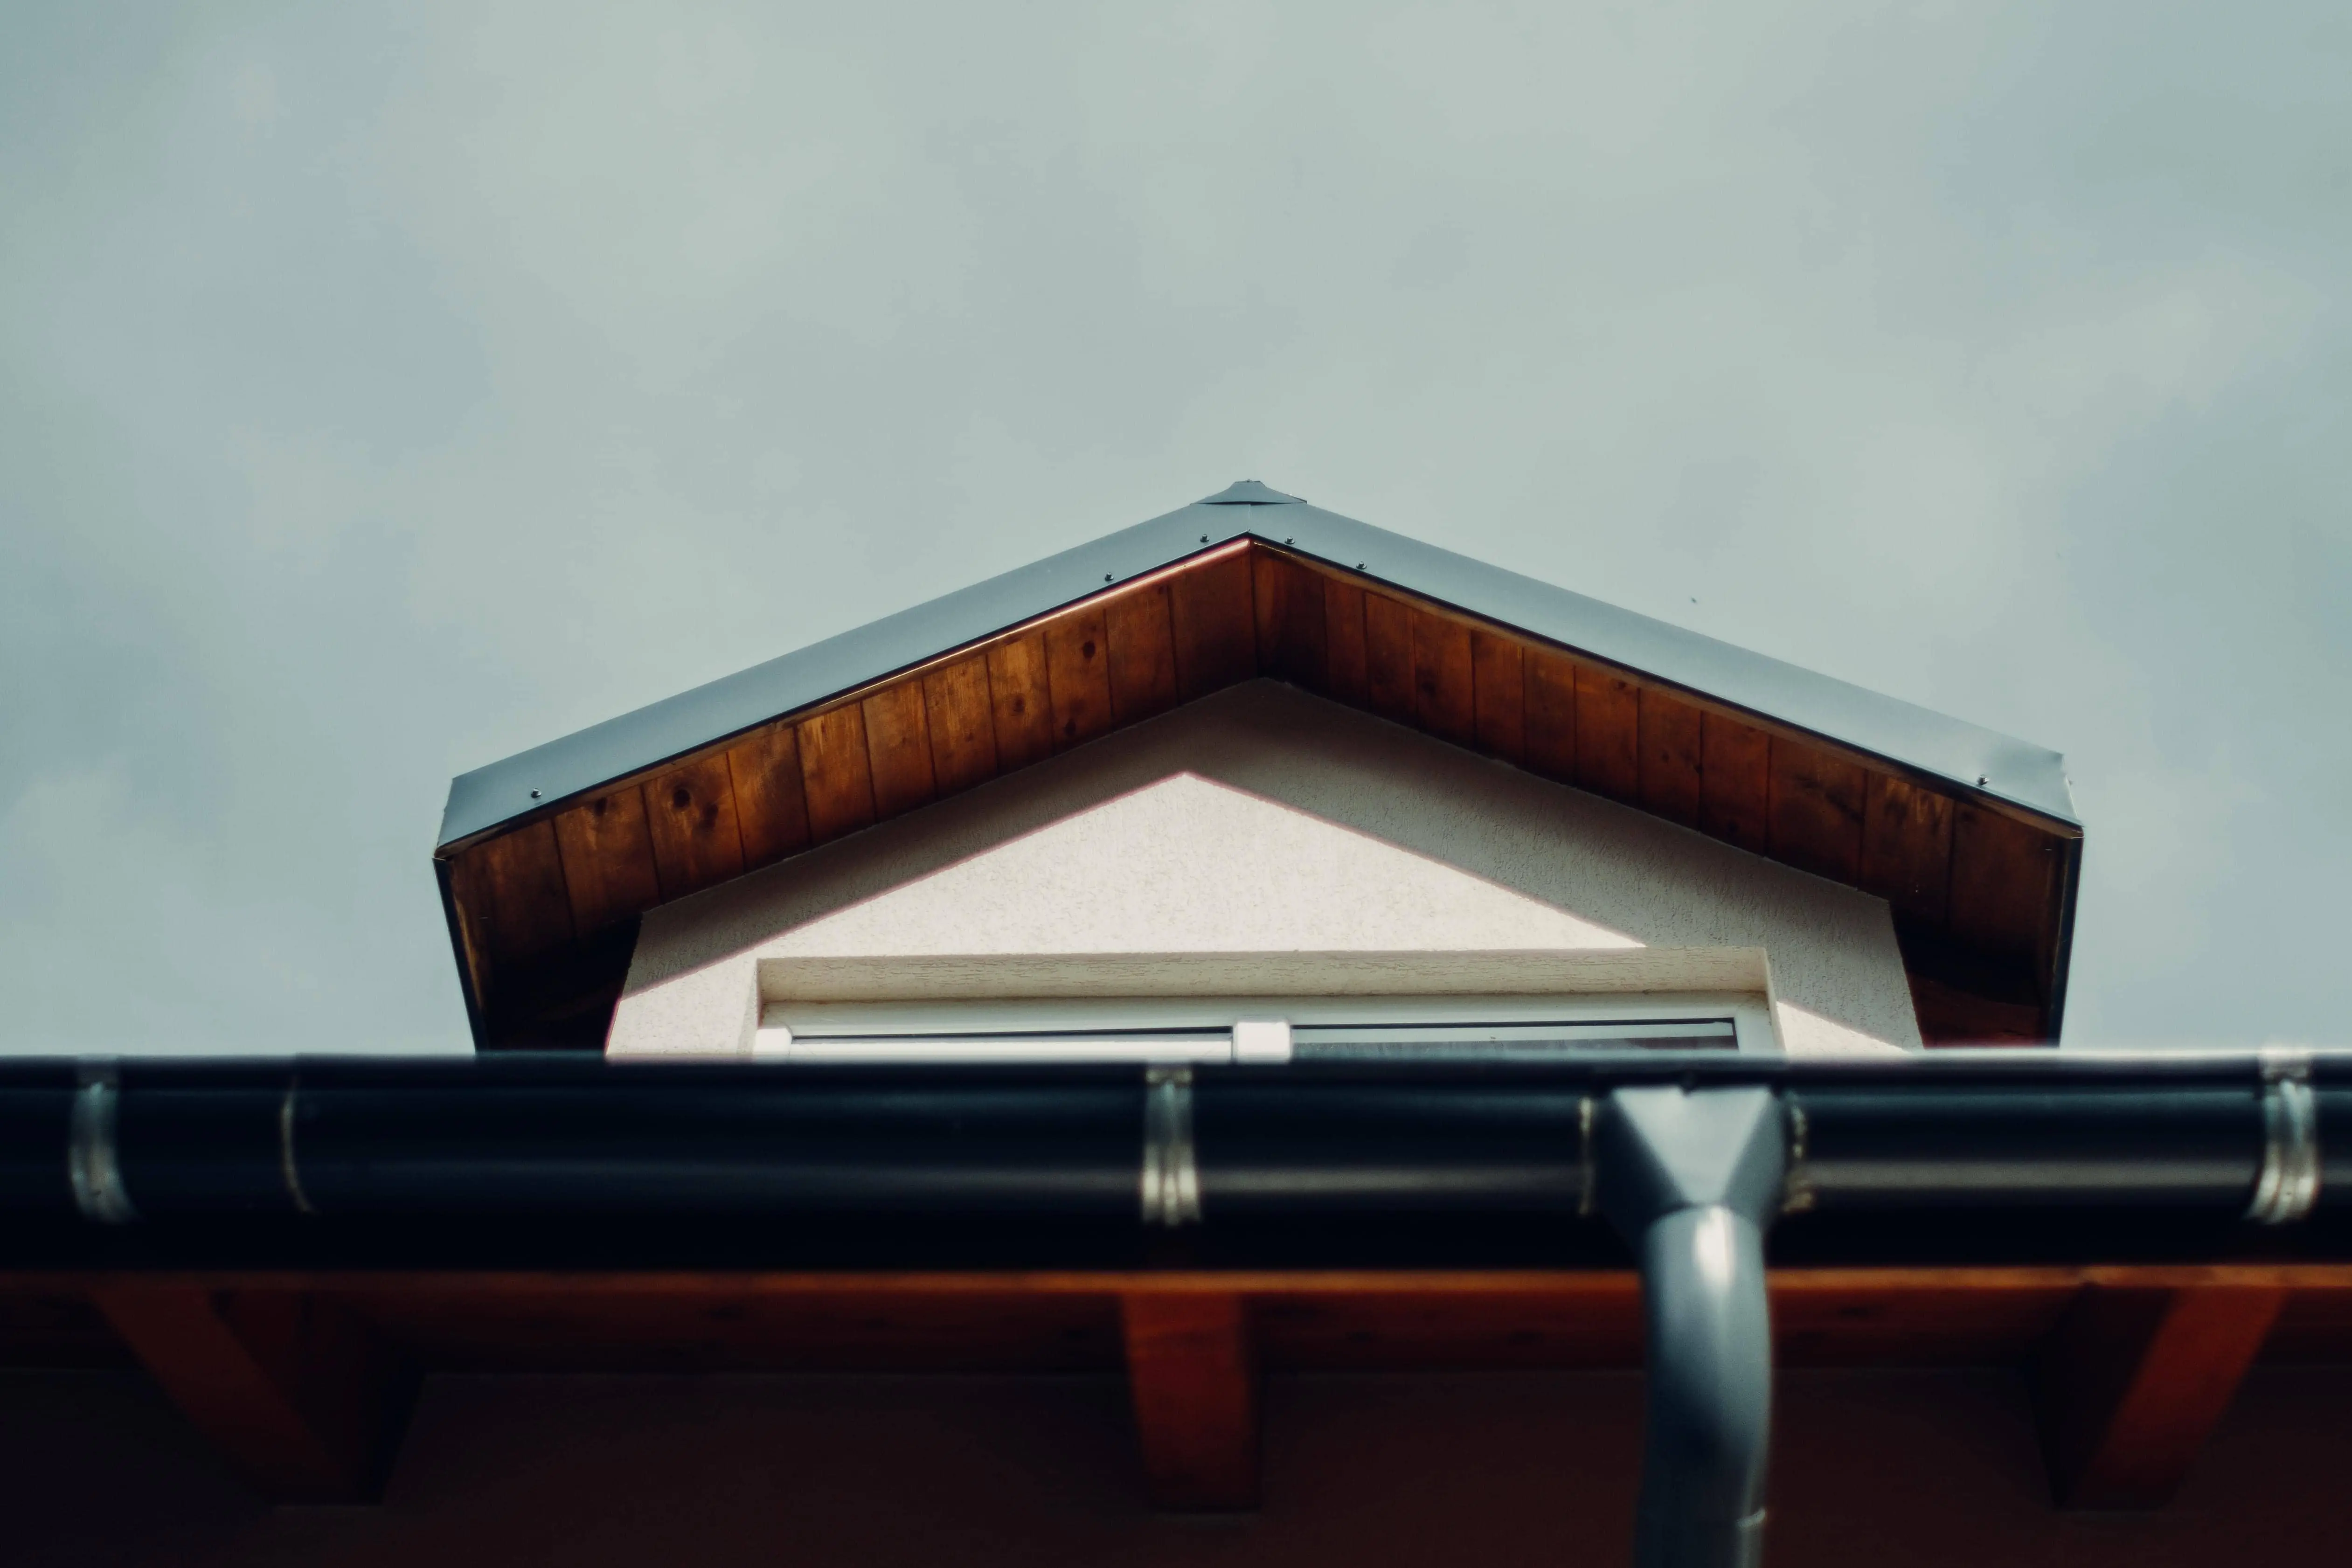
{"x":1692,"y":1158}
{"x":345,"y":1139}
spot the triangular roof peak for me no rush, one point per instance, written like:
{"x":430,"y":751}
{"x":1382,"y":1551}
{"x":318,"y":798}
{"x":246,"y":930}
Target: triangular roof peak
{"x":548,"y":856}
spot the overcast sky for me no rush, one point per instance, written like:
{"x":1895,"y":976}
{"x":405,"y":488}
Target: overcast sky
{"x":386,"y":389}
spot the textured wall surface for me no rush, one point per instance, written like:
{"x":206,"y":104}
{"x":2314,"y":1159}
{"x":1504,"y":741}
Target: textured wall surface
{"x":1264,"y":819}
{"x":1929,"y":1470}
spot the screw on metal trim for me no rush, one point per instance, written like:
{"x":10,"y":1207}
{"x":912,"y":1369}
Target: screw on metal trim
{"x":534,"y":794}
{"x":1106,"y":576}
{"x":1204,"y":539}
{"x":1984,"y":778}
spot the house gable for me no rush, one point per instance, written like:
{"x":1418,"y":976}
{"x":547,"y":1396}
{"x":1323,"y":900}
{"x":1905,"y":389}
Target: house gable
{"x":549,"y":859}
{"x":1263,"y":821}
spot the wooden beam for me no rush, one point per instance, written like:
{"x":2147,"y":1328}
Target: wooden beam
{"x":1192,"y":1369}
{"x":304,"y":1398}
{"x":2132,"y":1380}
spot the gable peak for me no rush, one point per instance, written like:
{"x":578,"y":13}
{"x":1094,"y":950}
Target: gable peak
{"x":1249,"y":493}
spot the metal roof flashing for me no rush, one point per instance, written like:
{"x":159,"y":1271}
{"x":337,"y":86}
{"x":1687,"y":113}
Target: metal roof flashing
{"x":1975,"y":761}
{"x":1249,"y":493}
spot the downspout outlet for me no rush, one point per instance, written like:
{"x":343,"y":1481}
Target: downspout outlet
{"x":1691,"y":1179}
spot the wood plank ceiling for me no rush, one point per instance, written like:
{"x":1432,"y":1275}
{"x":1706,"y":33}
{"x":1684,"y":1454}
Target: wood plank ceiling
{"x":302,"y":1380}
{"x":545,"y":907}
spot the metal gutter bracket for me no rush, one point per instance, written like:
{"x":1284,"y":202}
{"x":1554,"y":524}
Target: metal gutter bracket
{"x":1691,"y":1178}
{"x":93,"y":1160}
{"x":2287,"y":1188}
{"x":1171,"y":1171}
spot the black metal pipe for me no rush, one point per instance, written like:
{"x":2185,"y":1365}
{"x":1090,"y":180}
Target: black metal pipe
{"x":2058,"y":1131}
{"x":2188,"y":1145}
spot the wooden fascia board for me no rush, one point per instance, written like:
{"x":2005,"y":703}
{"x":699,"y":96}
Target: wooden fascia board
{"x":1910,"y":773}
{"x":848,"y":697}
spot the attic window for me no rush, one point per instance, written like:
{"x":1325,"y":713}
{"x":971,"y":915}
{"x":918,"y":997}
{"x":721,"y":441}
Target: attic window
{"x":1201,"y":1032}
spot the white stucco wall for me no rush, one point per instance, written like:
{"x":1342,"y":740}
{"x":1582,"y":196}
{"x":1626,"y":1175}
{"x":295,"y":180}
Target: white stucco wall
{"x":1265,"y":820}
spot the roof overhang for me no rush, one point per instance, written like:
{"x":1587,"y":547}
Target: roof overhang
{"x":547,"y":857}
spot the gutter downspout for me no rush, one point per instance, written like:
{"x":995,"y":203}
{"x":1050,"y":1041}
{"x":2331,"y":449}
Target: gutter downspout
{"x":1691,"y":1178}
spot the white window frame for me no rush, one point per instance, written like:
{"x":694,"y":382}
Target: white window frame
{"x":1216,"y":1028}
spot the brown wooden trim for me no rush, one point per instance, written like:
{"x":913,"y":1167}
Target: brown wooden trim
{"x":1672,"y":752}
{"x":1993,"y":873}
{"x":1498,"y":683}
{"x":1141,"y":630}
{"x":963,"y":721}
{"x":1608,"y":734}
{"x":2334,"y":1279}
{"x":1234,"y":560}
{"x":1444,"y":703}
{"x":2003,"y":877}
{"x":1736,"y":782}
{"x":1023,"y":700}
{"x":1291,"y":635}
{"x":1815,"y":810}
{"x":1191,"y":1370}
{"x":696,"y":841}
{"x":1551,"y":715}
{"x":836,"y":775}
{"x":1906,"y":847}
{"x":770,"y":799}
{"x":2134,"y":1379}
{"x":519,"y":883}
{"x":1388,"y":657}
{"x":1765,"y":723}
{"x":899,"y":748}
{"x":607,"y":851}
{"x":1215,"y":618}
{"x":303,"y":1398}
{"x":1078,"y":676}
{"x":1344,"y":666}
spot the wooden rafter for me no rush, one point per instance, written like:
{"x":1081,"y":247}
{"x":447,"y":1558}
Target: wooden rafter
{"x":289,"y":1370}
{"x":303,"y":1398}
{"x":2134,"y":1377}
{"x":1191,"y":1369}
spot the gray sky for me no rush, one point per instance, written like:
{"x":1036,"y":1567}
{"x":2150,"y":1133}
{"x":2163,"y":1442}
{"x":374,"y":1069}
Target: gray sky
{"x":386,"y":389}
